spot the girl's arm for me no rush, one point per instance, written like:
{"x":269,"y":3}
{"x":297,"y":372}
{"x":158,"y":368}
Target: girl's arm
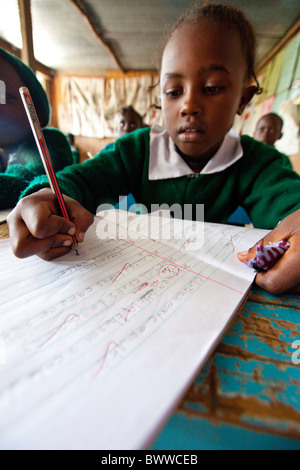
{"x":35,"y":226}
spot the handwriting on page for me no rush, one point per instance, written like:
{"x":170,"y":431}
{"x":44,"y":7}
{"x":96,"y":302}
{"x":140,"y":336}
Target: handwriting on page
{"x":96,"y":312}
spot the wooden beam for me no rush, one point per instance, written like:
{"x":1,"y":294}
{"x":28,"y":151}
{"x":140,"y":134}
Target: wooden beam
{"x":27,"y":53}
{"x":280,"y":44}
{"x":49,"y":72}
{"x":79,"y":4}
{"x":10,"y":47}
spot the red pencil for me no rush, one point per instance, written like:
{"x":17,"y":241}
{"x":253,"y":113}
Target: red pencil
{"x":44,"y":153}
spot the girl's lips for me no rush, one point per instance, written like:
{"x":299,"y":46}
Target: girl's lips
{"x":190,"y":134}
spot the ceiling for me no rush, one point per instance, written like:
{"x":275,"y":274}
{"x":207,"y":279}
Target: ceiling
{"x":81,"y":36}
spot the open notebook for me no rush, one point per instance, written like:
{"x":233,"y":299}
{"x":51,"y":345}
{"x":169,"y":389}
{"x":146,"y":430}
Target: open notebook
{"x":96,"y":350}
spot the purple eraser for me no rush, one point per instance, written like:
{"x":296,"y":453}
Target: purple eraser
{"x":267,"y":255}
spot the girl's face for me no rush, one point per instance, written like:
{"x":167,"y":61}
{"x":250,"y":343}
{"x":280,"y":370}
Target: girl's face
{"x":14,"y":127}
{"x":203,"y":86}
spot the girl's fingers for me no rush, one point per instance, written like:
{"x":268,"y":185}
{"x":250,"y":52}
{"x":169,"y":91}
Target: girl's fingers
{"x":36,"y":228}
{"x":27,"y":245}
{"x":284,"y":275}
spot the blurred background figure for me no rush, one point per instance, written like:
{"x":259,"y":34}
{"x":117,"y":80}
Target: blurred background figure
{"x":269,"y":129}
{"x":130,"y":120}
{"x":3,"y":160}
{"x":74,"y":148}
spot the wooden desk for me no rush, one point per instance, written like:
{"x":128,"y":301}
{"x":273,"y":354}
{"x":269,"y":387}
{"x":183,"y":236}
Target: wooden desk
{"x":248,"y":394}
{"x":4,"y":231}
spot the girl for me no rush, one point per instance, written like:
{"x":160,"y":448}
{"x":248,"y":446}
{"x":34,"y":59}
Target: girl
{"x":206,"y":70}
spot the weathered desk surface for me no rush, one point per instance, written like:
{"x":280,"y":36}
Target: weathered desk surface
{"x":248,"y":394}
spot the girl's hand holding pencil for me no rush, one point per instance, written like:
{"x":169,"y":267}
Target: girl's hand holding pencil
{"x":44,"y":154}
{"x":36,"y":228}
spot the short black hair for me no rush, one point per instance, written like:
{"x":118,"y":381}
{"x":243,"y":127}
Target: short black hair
{"x":223,"y":14}
{"x":275,"y":116}
{"x":130,"y":109}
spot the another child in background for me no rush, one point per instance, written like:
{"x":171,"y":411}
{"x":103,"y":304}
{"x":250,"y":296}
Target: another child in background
{"x":130,"y":120}
{"x":20,"y":160}
{"x":269,"y":129}
{"x":205,"y":77}
{"x":74,"y":148}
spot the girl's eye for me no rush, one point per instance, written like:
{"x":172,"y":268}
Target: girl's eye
{"x":173,"y":93}
{"x":213,"y":90}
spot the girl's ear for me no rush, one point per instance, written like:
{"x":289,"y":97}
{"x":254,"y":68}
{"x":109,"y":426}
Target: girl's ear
{"x":247,"y":96}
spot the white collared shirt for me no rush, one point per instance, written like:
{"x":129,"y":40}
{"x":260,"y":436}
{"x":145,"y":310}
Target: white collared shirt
{"x":165,"y":162}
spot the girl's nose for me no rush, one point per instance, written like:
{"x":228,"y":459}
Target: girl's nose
{"x":191,"y":103}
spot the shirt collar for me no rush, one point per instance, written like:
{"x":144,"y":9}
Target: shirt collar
{"x":165,"y":162}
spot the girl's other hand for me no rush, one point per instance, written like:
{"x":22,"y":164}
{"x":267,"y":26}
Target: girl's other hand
{"x":36,"y":228}
{"x":284,"y":276}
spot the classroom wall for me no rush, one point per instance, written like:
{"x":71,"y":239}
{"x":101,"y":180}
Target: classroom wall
{"x":280,"y":80}
{"x":89,"y":106}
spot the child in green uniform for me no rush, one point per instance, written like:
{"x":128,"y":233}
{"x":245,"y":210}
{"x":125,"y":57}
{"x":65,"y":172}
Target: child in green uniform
{"x":269,"y":129}
{"x":19,"y":158}
{"x":206,"y":79}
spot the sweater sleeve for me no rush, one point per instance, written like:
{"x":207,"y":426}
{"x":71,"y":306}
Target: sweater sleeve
{"x":12,"y":183}
{"x":270,"y":188}
{"x":112,"y":173}
{"x":28,"y":165}
{"x":59,"y":150}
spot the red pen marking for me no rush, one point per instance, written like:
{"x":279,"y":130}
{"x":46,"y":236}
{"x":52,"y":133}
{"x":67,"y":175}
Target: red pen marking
{"x":126,"y":264}
{"x":58,"y":329}
{"x":128,"y":310}
{"x":179,"y":266}
{"x":168,"y":270}
{"x":224,"y":235}
{"x":142,"y":286}
{"x":110,"y":344}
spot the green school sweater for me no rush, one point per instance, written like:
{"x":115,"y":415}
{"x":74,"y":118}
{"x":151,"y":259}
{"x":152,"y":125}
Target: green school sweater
{"x":17,"y":177}
{"x":260,"y":181}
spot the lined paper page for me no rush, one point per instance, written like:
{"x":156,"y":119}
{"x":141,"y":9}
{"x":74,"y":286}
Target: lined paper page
{"x":96,"y":350}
